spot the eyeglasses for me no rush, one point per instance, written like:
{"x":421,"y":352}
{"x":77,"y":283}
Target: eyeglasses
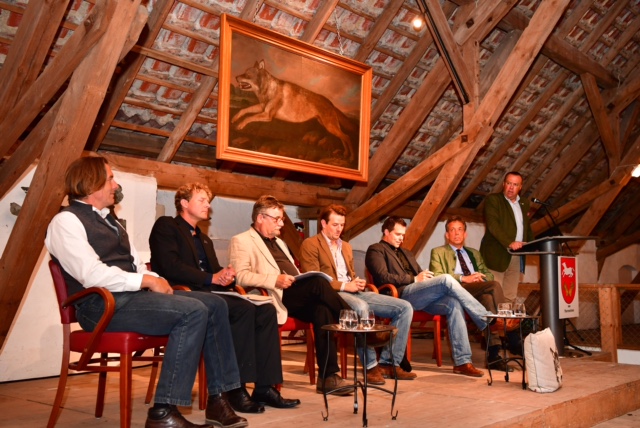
{"x":276,"y":219}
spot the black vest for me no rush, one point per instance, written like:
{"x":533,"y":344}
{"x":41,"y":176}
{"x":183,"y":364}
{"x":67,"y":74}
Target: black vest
{"x":111,"y":246}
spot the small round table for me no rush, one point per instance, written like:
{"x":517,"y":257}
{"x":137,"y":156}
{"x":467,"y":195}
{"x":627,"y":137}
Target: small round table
{"x":506,"y":359}
{"x":362,"y":333}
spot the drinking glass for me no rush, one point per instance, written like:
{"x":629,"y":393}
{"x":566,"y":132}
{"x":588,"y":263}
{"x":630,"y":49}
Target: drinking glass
{"x":519,"y":310}
{"x":504,"y":309}
{"x":348,"y":319}
{"x":368,"y":320}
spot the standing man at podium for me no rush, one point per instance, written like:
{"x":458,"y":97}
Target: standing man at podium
{"x":507,"y":228}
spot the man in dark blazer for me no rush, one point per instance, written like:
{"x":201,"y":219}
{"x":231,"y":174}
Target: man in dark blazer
{"x":389,"y":263}
{"x":466,"y":265}
{"x":507,"y":228}
{"x":184,"y":255}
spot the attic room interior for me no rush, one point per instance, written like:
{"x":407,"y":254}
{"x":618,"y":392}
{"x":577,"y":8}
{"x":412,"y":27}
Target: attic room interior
{"x":437,"y":114}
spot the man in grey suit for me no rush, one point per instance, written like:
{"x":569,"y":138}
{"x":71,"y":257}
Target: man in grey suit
{"x":507,"y":228}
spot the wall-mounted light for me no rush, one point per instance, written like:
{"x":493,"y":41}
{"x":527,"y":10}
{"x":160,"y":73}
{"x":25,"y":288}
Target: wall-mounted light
{"x":636,"y":171}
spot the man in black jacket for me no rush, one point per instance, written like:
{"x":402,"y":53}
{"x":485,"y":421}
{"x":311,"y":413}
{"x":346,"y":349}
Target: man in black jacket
{"x":184,"y":255}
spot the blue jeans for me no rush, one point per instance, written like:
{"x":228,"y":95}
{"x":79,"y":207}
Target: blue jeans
{"x":401,"y":314}
{"x":443,"y":295}
{"x":195,"y":322}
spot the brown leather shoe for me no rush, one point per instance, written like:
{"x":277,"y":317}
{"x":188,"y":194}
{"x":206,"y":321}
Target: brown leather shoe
{"x":332,"y":382}
{"x":387,"y":372}
{"x":374,"y":376}
{"x":169,"y":417}
{"x":220,"y":414}
{"x":468,"y":370}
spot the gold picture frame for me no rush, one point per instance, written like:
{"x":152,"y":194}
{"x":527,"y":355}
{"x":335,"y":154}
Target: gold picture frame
{"x":283,"y":103}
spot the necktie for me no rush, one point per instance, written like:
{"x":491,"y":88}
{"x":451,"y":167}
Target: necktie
{"x":463,"y":264}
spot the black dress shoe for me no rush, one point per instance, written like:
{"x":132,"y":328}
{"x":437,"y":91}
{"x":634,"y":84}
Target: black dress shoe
{"x":169,"y":417}
{"x":241,"y":401}
{"x":273,"y":398}
{"x":220,"y":414}
{"x":497,"y":363}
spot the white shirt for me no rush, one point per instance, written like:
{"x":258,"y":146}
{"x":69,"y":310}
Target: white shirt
{"x":517,"y":213}
{"x":338,"y":259}
{"x":67,"y":241}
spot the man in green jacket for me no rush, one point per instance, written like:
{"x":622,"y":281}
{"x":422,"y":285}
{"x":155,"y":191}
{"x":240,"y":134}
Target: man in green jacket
{"x":467,"y":267}
{"x":507,"y":228}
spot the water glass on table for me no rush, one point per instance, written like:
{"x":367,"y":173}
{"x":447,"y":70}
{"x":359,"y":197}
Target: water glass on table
{"x":348,"y":319}
{"x":368,"y":320}
{"x":519,"y":310}
{"x":505,"y":309}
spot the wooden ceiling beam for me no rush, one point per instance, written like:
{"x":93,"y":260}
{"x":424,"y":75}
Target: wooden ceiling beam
{"x":29,"y":50}
{"x":125,"y":79}
{"x":484,"y":119}
{"x":599,"y":206}
{"x":620,"y":224}
{"x":319,"y":20}
{"x":187,"y":119}
{"x":607,"y":125}
{"x":77,"y":113}
{"x":514,"y":134}
{"x":380,"y":26}
{"x":622,"y":243}
{"x":399,"y":136}
{"x":232,"y":185}
{"x":32,"y":100}
{"x":563,"y":53}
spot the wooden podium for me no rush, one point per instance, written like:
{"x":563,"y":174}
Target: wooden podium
{"x":549,"y":248}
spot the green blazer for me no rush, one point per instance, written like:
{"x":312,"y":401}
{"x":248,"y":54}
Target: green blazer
{"x":443,"y":260}
{"x":501,"y":230}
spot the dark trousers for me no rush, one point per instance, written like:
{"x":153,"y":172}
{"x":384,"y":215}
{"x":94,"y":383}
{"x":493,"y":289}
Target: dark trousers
{"x":254,"y":329}
{"x":314,"y":300}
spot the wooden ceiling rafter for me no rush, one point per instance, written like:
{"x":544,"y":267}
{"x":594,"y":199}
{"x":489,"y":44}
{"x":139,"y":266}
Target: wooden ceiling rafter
{"x":75,"y":117}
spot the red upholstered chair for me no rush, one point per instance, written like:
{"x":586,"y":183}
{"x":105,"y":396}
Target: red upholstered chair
{"x":124,"y":344}
{"x":420,"y":318}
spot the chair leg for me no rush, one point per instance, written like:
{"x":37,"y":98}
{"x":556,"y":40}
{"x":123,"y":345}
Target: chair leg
{"x":437,"y":341}
{"x":409,"y":346}
{"x":102,"y":384}
{"x":152,"y":377}
{"x":62,"y":383}
{"x":342,"y":341}
{"x":310,"y":359}
{"x":203,"y":391}
{"x":125,"y":390}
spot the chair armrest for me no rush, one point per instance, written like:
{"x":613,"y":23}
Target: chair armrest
{"x":389,"y":289}
{"x":244,"y":290}
{"x":105,"y":319}
{"x":181,"y":287}
{"x":371,"y":288}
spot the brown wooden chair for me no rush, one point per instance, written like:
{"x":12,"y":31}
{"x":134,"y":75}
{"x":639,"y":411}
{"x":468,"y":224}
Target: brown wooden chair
{"x":127,"y":345}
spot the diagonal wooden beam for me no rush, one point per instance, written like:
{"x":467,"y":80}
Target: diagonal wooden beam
{"x":380,"y":26}
{"x":29,"y":50}
{"x":125,"y":79}
{"x":78,"y":109}
{"x":620,"y":244}
{"x":55,"y":75}
{"x":320,"y":18}
{"x":609,"y":131}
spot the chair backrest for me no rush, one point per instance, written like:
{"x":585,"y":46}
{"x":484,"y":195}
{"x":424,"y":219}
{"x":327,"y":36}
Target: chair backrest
{"x":67,"y":314}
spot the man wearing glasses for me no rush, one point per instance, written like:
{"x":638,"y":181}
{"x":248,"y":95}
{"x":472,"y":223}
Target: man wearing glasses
{"x":507,"y":228}
{"x":261,"y":259}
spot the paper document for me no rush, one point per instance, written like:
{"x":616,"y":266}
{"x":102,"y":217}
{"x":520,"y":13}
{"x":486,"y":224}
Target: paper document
{"x":313,"y":273}
{"x":256,"y":299}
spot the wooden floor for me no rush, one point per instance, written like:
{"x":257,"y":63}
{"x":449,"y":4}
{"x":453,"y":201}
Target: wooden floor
{"x":594,"y":393}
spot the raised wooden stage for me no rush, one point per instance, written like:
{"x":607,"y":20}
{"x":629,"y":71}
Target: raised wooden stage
{"x":593,"y":392}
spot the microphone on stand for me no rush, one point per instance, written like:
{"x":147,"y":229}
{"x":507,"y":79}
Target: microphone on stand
{"x":538,"y":201}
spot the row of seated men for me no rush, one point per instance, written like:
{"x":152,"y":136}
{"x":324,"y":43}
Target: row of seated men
{"x":239,"y":340}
